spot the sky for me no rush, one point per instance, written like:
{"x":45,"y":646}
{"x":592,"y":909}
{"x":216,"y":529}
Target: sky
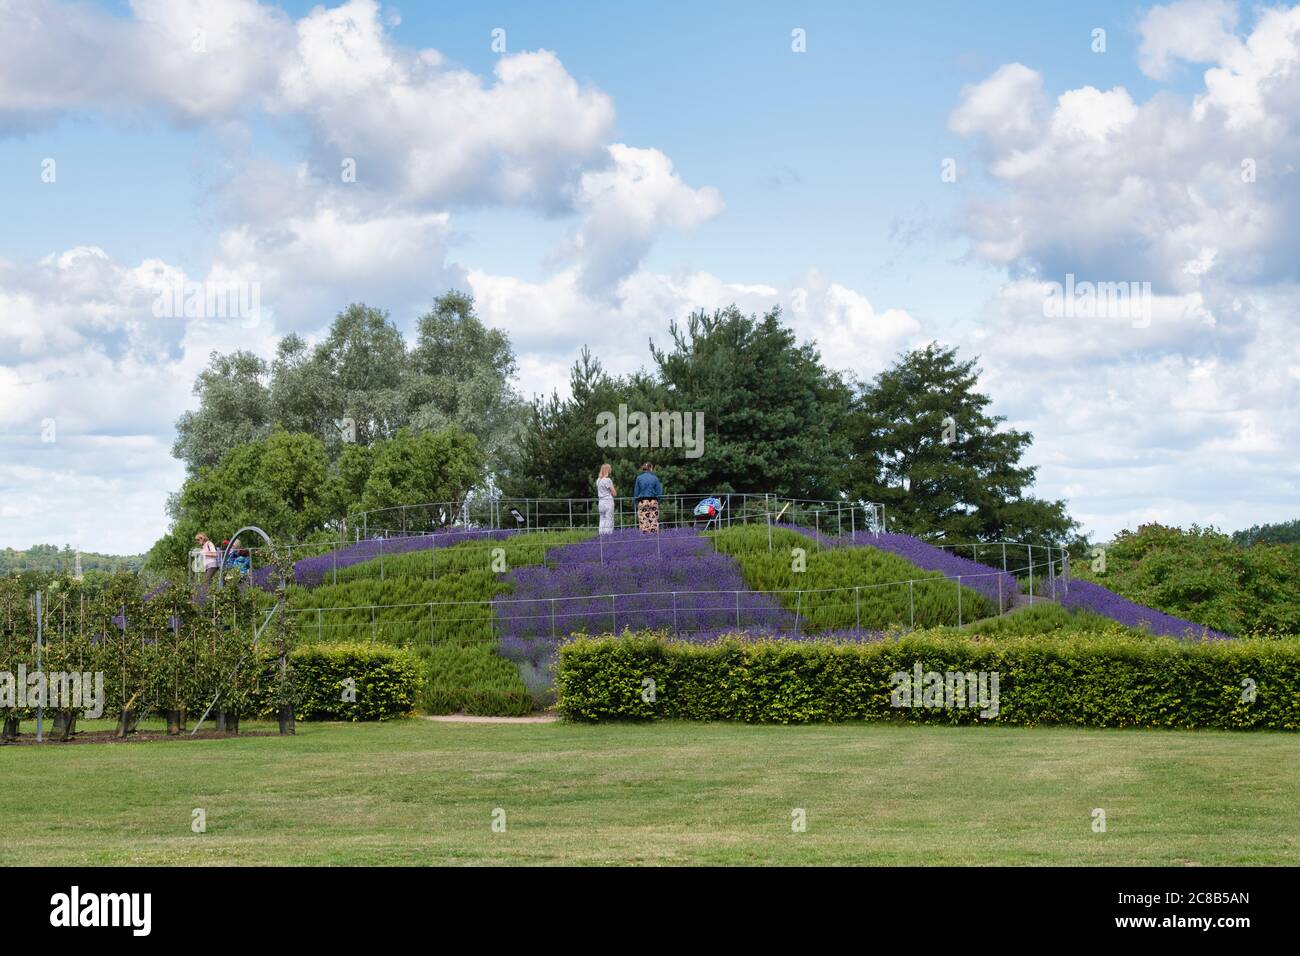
{"x":888,"y":175}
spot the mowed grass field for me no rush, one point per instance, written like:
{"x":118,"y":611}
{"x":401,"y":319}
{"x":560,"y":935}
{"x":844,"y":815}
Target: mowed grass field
{"x":418,"y":792}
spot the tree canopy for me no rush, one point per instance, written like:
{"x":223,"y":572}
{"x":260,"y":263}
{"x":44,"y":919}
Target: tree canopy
{"x":360,"y":384}
{"x":924,"y":446}
{"x":362,"y":421}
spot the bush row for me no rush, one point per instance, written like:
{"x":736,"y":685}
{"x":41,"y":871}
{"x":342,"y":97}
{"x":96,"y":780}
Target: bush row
{"x":345,"y":682}
{"x":1112,"y":679}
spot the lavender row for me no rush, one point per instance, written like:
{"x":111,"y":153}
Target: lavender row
{"x":571,"y":591}
{"x":1088,"y":596}
{"x":310,"y":572}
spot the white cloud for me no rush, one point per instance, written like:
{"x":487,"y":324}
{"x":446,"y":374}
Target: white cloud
{"x":625,"y":206}
{"x":1193,"y":31}
{"x":91,"y":383}
{"x":550,"y":321}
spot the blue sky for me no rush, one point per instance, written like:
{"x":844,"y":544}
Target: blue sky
{"x":747,"y":172}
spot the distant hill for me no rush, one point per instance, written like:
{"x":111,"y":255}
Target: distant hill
{"x":52,"y":558}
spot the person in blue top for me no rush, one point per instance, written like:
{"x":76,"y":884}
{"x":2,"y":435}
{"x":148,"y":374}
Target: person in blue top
{"x":647,"y":491}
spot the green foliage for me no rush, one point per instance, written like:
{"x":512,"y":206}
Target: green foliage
{"x":278,"y":483}
{"x":472,"y":678}
{"x":924,"y":446}
{"x":812,"y":592}
{"x":1203,"y":576}
{"x":285,"y":485}
{"x":557,"y":455}
{"x":1102,"y":680}
{"x":455,"y":646}
{"x":772,"y":416}
{"x":458,"y":375}
{"x":344,"y":682}
{"x":415,"y":467}
{"x":1045,"y":617}
{"x":53,"y":560}
{"x":234,"y":409}
{"x":773,"y":413}
{"x":1285,"y":532}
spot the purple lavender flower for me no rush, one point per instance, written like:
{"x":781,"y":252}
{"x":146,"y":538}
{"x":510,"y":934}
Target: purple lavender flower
{"x":673,"y":581}
{"x":311,"y":572}
{"x":1100,"y":600}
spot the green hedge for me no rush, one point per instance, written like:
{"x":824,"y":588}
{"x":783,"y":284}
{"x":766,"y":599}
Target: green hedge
{"x":385,"y":679}
{"x":1099,"y":680}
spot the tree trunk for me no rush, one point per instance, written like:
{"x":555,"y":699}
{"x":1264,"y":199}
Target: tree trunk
{"x":173,"y":723}
{"x":63,"y":724}
{"x":220,"y":717}
{"x":286,"y":719}
{"x":10,"y":728}
{"x":232,"y":721}
{"x":126,"y":724}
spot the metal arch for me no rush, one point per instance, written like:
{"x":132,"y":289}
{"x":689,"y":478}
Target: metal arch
{"x":270,"y":546}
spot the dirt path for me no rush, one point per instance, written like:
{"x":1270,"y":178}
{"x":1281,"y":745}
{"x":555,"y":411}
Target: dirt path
{"x":470,"y":719}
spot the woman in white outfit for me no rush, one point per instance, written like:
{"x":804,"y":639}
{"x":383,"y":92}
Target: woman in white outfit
{"x":605,"y":494}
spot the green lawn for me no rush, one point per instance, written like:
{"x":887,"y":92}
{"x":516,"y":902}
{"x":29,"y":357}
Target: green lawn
{"x":418,"y":792}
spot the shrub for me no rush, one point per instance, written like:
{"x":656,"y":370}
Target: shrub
{"x":1111,"y":679}
{"x":931,"y":600}
{"x":1201,"y":575}
{"x":385,"y":680}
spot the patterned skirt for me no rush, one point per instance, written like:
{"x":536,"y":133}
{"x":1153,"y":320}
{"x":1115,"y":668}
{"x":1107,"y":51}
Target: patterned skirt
{"x":647,"y":515}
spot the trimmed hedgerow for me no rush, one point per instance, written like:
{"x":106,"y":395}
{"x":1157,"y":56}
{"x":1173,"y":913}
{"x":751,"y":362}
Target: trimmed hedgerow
{"x":1111,"y":679}
{"x":383,"y":682}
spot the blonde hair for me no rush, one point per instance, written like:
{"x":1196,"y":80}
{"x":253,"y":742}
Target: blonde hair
{"x":605,"y":470}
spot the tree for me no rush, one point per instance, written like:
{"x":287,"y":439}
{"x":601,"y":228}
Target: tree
{"x":280,"y":483}
{"x":773,"y":414}
{"x":234,"y":407}
{"x":359,"y":370}
{"x":460,"y":375}
{"x":557,"y":454}
{"x":1285,"y":532}
{"x":924,"y":446}
{"x":419,"y":467}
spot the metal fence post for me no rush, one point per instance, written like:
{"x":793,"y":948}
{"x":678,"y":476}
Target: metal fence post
{"x":1004,"y":557}
{"x":613,"y":609}
{"x":552,"y":618}
{"x":737,"y":609}
{"x":959,"y":600}
{"x":768,"y":512}
{"x":853,"y":524}
{"x":381,"y":559}
{"x":798,"y":608}
{"x":857,"y":606}
{"x":372,"y":624}
{"x":1031,"y":575}
{"x":674,"y":614}
{"x":318,"y":625}
{"x":911,"y":603}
